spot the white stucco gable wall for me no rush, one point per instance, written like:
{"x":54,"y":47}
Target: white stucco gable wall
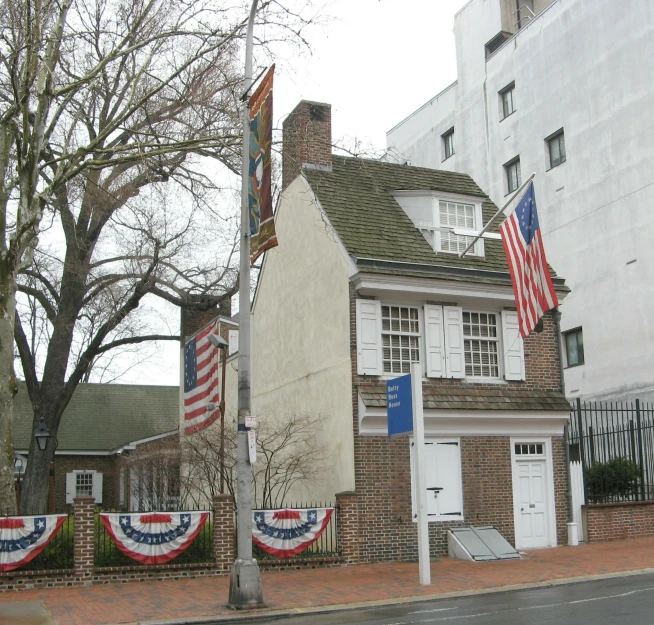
{"x":301,"y":334}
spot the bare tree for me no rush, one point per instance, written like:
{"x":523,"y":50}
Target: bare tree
{"x":290,"y":452}
{"x":107,"y":105}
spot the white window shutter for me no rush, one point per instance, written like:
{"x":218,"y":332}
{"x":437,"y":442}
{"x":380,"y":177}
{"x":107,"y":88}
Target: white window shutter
{"x":434,"y":341}
{"x":233,"y":341}
{"x":97,"y":486}
{"x":369,"y":343}
{"x":70,"y":487}
{"x":449,"y":501}
{"x":443,"y":480}
{"x":514,"y":354}
{"x":454,"y":355}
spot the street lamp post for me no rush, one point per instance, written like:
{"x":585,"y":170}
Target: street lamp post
{"x":222,"y":345}
{"x":245,"y":582}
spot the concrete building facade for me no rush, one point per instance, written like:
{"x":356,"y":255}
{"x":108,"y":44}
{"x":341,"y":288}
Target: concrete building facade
{"x":563,"y":88}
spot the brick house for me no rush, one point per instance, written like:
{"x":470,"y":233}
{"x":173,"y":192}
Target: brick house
{"x":107,"y":433}
{"x":366,"y":280}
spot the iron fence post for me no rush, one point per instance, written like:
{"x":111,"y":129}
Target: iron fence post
{"x":581,"y":448}
{"x":640,"y":451}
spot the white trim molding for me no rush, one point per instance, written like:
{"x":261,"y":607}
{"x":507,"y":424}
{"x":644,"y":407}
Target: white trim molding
{"x":549,"y":478}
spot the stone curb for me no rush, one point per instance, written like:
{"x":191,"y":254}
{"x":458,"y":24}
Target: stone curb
{"x":240,"y":617}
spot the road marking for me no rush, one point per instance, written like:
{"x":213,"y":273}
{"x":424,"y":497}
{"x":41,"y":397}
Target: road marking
{"x":459,"y":617}
{"x":430,"y":611}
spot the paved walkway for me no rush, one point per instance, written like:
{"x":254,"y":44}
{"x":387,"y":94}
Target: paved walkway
{"x":301,"y":591}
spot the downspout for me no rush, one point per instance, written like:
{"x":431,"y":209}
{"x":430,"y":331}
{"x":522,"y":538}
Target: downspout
{"x":557,"y":326}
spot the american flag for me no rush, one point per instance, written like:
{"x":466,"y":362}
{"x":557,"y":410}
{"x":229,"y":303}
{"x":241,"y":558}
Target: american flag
{"x":200,"y":380}
{"x":523,"y":245}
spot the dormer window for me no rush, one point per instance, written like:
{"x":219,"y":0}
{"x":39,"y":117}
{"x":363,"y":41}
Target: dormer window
{"x":448,"y":222}
{"x":456,"y":216}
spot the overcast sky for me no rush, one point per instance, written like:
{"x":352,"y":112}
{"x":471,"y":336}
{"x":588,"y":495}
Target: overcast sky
{"x":375,"y":62}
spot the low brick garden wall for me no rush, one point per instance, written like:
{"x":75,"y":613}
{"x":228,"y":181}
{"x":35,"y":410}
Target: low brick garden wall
{"x":616,"y":521}
{"x":85,"y":573}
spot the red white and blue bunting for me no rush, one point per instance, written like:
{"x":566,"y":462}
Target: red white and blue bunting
{"x":285,"y":533}
{"x":24,"y":538}
{"x":156,"y":537}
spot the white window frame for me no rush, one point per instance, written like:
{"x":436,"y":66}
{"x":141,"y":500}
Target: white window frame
{"x":96,"y":485}
{"x":436,"y":480}
{"x":497,"y":340}
{"x":390,"y":332}
{"x":476,"y":203}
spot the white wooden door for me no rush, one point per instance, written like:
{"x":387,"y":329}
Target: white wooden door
{"x":530,"y":501}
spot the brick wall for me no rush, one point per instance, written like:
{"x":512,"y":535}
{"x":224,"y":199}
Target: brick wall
{"x":616,"y":521}
{"x":106,"y":465}
{"x":307,"y":139}
{"x":383,"y":475}
{"x":84,"y":536}
{"x":224,"y":545}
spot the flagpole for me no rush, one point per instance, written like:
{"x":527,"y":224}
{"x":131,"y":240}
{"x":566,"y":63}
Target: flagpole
{"x":496,"y":215}
{"x":245,"y":583}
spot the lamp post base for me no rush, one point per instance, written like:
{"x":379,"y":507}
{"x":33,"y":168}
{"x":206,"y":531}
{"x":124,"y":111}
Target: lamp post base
{"x":245,"y":586}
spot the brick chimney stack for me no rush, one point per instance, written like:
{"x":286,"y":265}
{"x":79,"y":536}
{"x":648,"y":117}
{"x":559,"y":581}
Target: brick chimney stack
{"x":307,"y":139}
{"x":194,"y":320}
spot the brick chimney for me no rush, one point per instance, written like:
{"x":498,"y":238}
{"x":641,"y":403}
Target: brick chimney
{"x":194,"y":320}
{"x":307,"y":139}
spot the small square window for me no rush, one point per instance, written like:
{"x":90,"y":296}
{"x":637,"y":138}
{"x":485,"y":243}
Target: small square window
{"x":448,"y":143}
{"x":513,"y":176}
{"x":556,"y":148}
{"x":507,"y":100}
{"x":574,"y":347}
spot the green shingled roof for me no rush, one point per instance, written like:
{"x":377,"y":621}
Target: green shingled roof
{"x":356,"y":196}
{"x":103,"y":417}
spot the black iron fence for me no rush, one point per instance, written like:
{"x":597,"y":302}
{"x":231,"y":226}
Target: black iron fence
{"x":59,"y":552}
{"x":108,"y":554}
{"x":615,"y":443}
{"x":325,"y":546}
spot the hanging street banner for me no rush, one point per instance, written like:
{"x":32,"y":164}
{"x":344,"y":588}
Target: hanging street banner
{"x":155,"y":537}
{"x":399,"y":406}
{"x":262,"y":223}
{"x":24,"y":538}
{"x":285,"y":533}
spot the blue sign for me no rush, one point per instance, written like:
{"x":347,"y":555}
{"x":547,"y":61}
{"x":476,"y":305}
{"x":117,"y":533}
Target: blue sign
{"x":399,"y":405}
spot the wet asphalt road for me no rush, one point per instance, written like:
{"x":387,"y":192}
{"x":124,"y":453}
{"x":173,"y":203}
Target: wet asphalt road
{"x":623,"y":601}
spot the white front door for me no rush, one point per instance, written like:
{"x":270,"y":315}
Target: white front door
{"x":531,"y":504}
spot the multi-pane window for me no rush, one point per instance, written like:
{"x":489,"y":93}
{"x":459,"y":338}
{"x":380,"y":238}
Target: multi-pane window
{"x":84,"y":484}
{"x":456,"y":215}
{"x":448,"y":143}
{"x":513,"y":176}
{"x":400,"y":338}
{"x":574,"y":347}
{"x":480,"y":344}
{"x":507,"y":100}
{"x":529,"y":449}
{"x":556,"y":148}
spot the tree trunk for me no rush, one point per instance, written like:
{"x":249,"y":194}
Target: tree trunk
{"x":36,"y":485}
{"x":7,"y":387}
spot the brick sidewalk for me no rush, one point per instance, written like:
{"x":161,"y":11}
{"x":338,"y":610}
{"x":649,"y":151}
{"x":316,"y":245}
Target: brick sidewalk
{"x":136,"y":602}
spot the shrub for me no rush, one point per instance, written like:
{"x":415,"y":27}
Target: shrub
{"x":616,"y":479}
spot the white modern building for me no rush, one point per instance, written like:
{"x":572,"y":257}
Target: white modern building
{"x":565,"y":89}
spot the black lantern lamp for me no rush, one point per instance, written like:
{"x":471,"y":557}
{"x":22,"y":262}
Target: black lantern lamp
{"x":42,"y":435}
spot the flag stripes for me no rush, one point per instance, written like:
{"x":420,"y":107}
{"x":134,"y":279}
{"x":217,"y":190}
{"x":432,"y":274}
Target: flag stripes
{"x":525,"y":255}
{"x":201,"y":380}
